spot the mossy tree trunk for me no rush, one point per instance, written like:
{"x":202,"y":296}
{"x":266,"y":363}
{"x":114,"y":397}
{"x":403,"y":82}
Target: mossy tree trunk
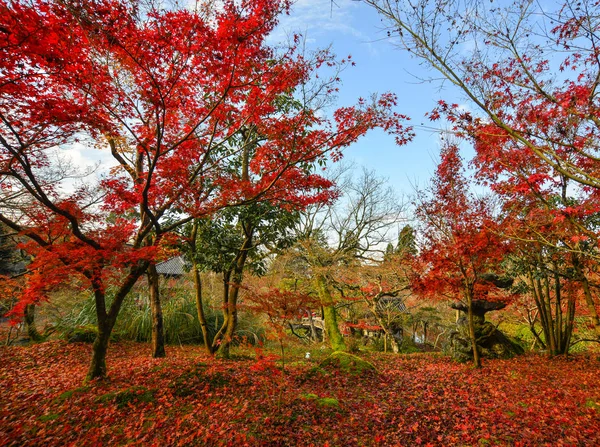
{"x":97,"y":367}
{"x":329,"y":314}
{"x":32,"y":331}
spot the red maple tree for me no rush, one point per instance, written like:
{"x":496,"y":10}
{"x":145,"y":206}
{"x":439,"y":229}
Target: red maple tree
{"x":173,"y":96}
{"x":460,"y":245}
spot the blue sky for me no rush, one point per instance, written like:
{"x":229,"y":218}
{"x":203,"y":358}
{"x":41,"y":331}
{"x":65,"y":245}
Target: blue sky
{"x":351,"y":27}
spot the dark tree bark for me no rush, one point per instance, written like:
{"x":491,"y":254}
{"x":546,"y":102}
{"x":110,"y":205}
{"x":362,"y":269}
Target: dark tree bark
{"x":107,"y":318}
{"x":476,"y":359}
{"x":158,"y":330}
{"x":200,"y":309}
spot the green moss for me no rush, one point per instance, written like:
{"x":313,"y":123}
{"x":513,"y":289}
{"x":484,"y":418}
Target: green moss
{"x":592,"y":403}
{"x":105,"y":398}
{"x":133,"y":395}
{"x":408,"y":346}
{"x":348,"y":363}
{"x":48,"y":417}
{"x":128,"y":396}
{"x":69,"y":394}
{"x":66,"y":395}
{"x":328,"y":402}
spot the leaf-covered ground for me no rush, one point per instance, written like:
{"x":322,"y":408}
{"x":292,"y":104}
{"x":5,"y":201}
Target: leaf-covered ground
{"x":188,"y":399}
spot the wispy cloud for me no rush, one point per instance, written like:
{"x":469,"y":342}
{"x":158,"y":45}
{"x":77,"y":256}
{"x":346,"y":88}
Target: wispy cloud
{"x":318,"y":19}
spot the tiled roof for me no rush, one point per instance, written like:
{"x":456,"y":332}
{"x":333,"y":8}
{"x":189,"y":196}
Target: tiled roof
{"x":172,"y":267}
{"x":391,"y":303}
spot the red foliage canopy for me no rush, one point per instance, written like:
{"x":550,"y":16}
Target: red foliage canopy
{"x":461,"y":243}
{"x":196,"y":110}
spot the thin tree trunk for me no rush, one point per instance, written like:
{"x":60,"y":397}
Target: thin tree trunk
{"x":232,"y":299}
{"x":537,"y":338}
{"x":234,"y":290}
{"x":200,"y":309}
{"x":471,"y":320}
{"x":247,"y":228}
{"x":558,"y":316}
{"x":553,"y":329}
{"x":544,"y":319}
{"x":569,"y":321}
{"x":219,"y":335}
{"x":198,"y":289}
{"x":158,"y":330}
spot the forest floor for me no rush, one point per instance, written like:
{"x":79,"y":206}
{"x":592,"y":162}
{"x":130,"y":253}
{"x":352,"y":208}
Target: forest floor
{"x":189,"y":399}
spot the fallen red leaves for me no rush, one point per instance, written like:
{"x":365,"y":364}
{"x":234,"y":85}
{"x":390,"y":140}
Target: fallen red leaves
{"x":188,"y":399}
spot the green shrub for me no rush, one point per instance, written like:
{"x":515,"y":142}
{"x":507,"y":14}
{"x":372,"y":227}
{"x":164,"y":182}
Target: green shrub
{"x":81,"y":334}
{"x":180,"y":319}
{"x":408,"y":346}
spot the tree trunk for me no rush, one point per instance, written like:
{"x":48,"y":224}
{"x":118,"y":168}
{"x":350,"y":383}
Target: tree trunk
{"x":234,"y":290}
{"x":557,"y":325}
{"x":329,"y":315}
{"x":200,"y":309}
{"x":97,"y":367}
{"x":476,"y":359}
{"x":231,"y":307}
{"x":208,"y":343}
{"x":313,"y":329}
{"x":232,"y":320}
{"x":106,"y":320}
{"x":32,"y":332}
{"x":158,"y":330}
{"x":247,"y":227}
{"x":589,"y":299}
{"x":219,"y":335}
{"x":545,"y":320}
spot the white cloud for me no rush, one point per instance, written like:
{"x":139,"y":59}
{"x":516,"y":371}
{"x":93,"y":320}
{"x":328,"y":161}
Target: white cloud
{"x":81,"y":163}
{"x":317,"y":18}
